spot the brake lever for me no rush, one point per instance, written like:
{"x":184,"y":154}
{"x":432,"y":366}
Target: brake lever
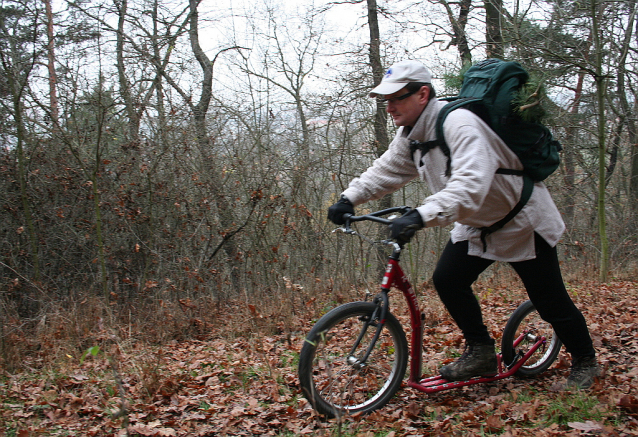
{"x":396,"y":246}
{"x":345,"y":230}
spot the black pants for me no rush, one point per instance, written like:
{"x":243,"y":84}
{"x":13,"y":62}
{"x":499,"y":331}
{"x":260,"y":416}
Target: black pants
{"x":456,"y":271}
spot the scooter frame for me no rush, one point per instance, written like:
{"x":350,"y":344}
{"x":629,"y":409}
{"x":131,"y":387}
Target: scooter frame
{"x":395,"y":277}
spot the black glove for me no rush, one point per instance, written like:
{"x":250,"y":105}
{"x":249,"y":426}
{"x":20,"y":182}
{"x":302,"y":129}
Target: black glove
{"x":403,"y":228}
{"x":336,"y":211}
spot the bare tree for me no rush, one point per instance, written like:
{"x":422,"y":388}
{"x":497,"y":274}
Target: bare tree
{"x":53,"y":78}
{"x":19,"y":54}
{"x":459,"y":24}
{"x":199,"y":110}
{"x":627,"y":114}
{"x":381,"y":116}
{"x":572,"y":49}
{"x":288,"y":61}
{"x":493,"y":23}
{"x":601,"y":79}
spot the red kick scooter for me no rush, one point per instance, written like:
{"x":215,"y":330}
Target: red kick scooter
{"x":355,"y":357}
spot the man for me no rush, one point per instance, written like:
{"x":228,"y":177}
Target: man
{"x":471,"y":195}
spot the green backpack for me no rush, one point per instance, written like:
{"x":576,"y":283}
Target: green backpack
{"x":489,"y":90}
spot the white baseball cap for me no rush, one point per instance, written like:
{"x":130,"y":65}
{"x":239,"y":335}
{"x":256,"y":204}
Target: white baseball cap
{"x":399,"y":75}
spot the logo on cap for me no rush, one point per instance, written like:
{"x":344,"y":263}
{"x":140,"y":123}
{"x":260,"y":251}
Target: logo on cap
{"x":389,"y":73}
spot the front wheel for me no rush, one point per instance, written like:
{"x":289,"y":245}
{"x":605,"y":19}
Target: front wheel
{"x":522,"y":330}
{"x":331,"y":374}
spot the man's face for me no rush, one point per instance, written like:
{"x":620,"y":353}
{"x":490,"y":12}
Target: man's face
{"x":406,"y":107}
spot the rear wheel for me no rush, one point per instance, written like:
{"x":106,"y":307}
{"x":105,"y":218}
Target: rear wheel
{"x":525,"y":326}
{"x":330,"y":372}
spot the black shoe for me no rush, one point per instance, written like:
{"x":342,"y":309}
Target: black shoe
{"x":583,"y":374}
{"x":477,"y":360}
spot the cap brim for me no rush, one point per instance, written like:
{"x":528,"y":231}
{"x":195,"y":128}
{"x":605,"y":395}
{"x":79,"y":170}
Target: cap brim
{"x":385,"y":89}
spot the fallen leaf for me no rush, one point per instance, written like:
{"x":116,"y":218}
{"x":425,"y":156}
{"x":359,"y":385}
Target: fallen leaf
{"x":629,"y":403}
{"x":586,"y":426}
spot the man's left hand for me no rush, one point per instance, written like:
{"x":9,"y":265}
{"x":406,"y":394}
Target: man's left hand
{"x":403,"y":228}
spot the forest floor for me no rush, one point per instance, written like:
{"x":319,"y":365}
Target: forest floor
{"x":237,"y":377}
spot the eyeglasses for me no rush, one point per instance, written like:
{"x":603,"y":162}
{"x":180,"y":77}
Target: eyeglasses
{"x":399,"y":98}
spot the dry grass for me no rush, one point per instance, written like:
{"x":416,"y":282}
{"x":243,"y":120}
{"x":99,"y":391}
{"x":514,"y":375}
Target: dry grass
{"x":67,"y":328}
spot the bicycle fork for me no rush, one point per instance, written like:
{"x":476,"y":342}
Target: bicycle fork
{"x":394,"y":277}
{"x":376,"y":318}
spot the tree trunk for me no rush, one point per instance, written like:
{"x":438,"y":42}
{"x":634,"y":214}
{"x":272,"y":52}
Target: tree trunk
{"x":459,"y":33}
{"x":493,"y":36}
{"x":381,"y":116}
{"x":626,"y":112}
{"x":601,"y":84}
{"x":458,"y":29}
{"x":53,"y":80}
{"x":633,"y":181}
{"x":22,"y":178}
{"x":569,"y":164}
{"x":224,"y":207}
{"x":125,"y":91}
{"x":17,"y":70}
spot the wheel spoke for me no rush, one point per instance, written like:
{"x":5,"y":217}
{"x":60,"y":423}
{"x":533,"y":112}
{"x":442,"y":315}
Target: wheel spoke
{"x":330,"y":369}
{"x":526,"y":324}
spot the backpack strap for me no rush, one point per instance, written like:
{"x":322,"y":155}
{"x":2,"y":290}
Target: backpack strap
{"x":528,"y":187}
{"x":439,"y":140}
{"x":426,"y":146}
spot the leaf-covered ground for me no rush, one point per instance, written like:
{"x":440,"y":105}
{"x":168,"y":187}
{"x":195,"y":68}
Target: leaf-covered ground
{"x":240,"y":379}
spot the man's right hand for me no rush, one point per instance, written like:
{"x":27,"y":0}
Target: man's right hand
{"x":336,"y":211}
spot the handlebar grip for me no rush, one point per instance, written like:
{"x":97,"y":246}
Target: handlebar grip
{"x":374,"y":216}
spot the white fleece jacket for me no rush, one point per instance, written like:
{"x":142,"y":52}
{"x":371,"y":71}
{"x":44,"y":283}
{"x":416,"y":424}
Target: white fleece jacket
{"x":474,"y":195}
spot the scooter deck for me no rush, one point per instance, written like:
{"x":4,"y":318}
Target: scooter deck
{"x":437,"y":383}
